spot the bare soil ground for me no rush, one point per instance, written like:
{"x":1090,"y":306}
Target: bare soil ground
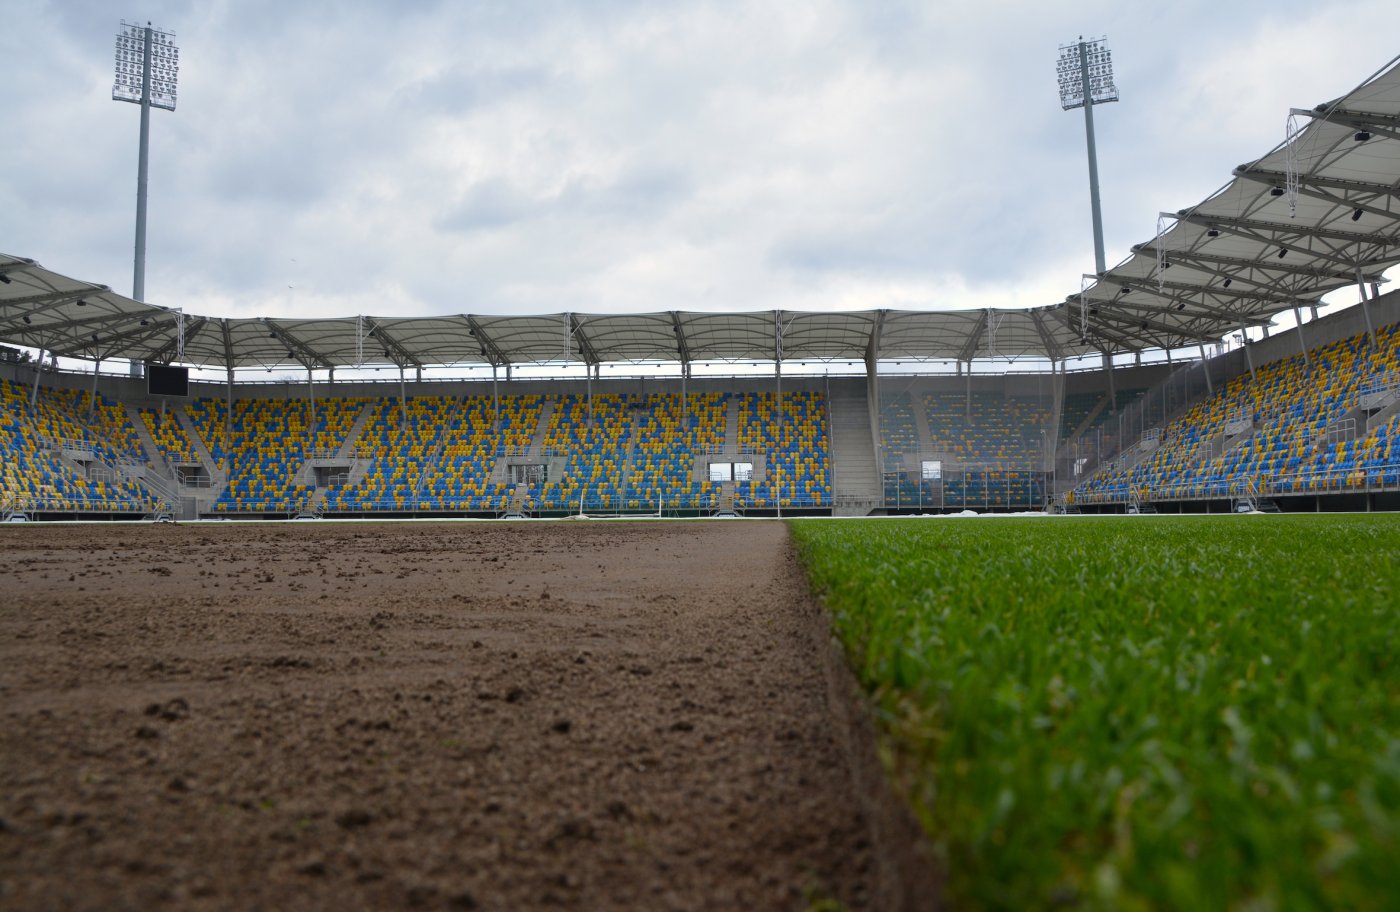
{"x":447,"y":715}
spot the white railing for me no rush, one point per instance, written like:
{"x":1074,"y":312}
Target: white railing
{"x":1356,"y":479}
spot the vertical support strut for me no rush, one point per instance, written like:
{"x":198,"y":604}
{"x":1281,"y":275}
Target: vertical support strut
{"x":1302,"y":340}
{"x":92,"y":403}
{"x":38,"y":370}
{"x":1112,"y":387}
{"x":311,"y":400}
{"x":1248,"y":355}
{"x":1366,"y":308}
{"x":403,"y":402}
{"x":228,"y":425}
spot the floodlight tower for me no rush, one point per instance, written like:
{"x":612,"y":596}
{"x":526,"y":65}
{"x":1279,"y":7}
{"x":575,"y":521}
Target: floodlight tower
{"x":147,"y":73}
{"x":1085,"y":70}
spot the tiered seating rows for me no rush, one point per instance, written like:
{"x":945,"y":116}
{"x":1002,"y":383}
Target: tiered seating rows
{"x":1290,"y":405}
{"x":445,"y":455}
{"x":33,"y":477}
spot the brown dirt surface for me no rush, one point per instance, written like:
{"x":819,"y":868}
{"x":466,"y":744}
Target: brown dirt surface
{"x":592,"y":715}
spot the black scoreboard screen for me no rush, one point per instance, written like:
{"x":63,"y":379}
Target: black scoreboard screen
{"x":167,"y":381}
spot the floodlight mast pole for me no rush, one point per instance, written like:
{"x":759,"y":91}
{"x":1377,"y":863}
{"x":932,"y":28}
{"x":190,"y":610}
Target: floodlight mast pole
{"x":1078,"y":87}
{"x":143,"y":159}
{"x":134,"y":41}
{"x":1099,"y":265}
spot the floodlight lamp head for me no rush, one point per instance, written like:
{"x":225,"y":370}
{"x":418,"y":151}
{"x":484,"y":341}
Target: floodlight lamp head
{"x":1081,"y":60}
{"x":131,"y":66}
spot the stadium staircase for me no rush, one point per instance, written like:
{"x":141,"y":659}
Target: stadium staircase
{"x":1089,"y":419}
{"x":855,"y":479}
{"x":159,"y":475}
{"x":143,"y":433}
{"x":542,"y":427}
{"x":726,"y":497}
{"x":218,"y":476}
{"x":352,"y":438}
{"x":347,"y":454}
{"x":1235,"y":433}
{"x":731,"y":426}
{"x":450,"y":419}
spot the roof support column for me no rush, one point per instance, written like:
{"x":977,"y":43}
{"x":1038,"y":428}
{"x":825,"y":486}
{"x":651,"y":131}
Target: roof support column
{"x":1205,"y":366}
{"x":872,"y":396}
{"x":1366,"y":308}
{"x":403,"y":402}
{"x":968,"y":375}
{"x":778,"y":380}
{"x":92,"y":403}
{"x":872,"y":392}
{"x":778,"y":423}
{"x":1112,"y":388}
{"x":1248,"y":355}
{"x":311,"y":402}
{"x":495,"y":403}
{"x":34,"y":393}
{"x":228,"y":423}
{"x":1302,"y":339}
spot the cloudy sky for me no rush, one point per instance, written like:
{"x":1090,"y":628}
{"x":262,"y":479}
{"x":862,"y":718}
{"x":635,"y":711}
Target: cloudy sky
{"x":423,"y":157}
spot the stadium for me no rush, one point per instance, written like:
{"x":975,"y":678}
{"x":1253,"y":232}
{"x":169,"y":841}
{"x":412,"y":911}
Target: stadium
{"x":339,"y":652}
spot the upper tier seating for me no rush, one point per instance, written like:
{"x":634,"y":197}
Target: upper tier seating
{"x":988,"y":428}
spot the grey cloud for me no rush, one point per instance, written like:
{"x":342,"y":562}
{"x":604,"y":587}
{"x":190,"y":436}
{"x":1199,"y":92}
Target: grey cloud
{"x":508,"y":156}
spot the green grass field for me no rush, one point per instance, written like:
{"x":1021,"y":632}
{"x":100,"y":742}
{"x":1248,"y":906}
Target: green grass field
{"x":1135,"y":712}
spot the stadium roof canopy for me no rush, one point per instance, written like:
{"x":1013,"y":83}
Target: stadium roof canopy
{"x":1319,"y":212}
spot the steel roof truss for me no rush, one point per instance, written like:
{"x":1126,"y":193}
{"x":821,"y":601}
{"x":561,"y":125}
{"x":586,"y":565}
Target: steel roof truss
{"x":1278,"y":232}
{"x":974,"y":338}
{"x":400,"y":355}
{"x":585,"y":347}
{"x":1279,"y":179}
{"x":877,"y":328}
{"x":1052,"y":348}
{"x":489,"y":350}
{"x":682,"y":347}
{"x":1137,"y":323}
{"x":166,"y":352}
{"x":1387,"y":125}
{"x":1196,"y":258}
